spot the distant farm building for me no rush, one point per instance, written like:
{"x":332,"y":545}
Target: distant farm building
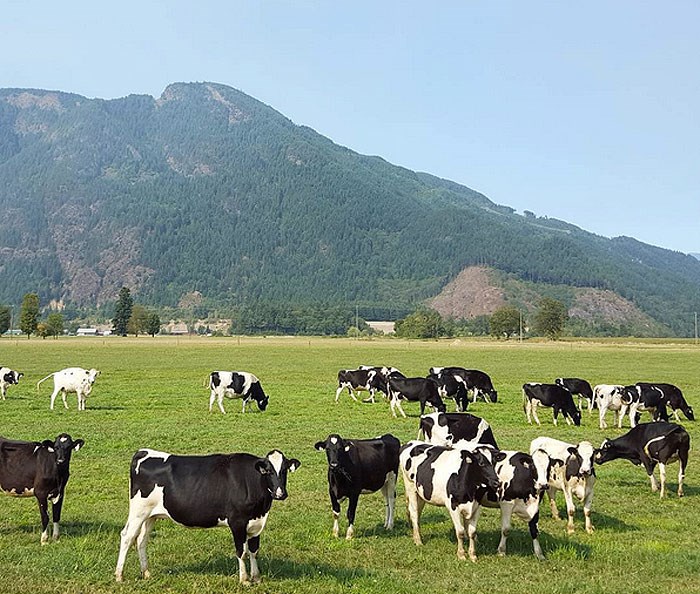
{"x":382,"y":327}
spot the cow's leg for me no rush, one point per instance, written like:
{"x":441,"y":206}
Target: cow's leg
{"x":353,"y":499}
{"x":601,"y":418}
{"x":587,"y":503}
{"x":506,"y":514}
{"x":528,"y":411}
{"x":253,"y":546}
{"x":555,"y":415}
{"x":662,"y":476}
{"x":53,"y":396}
{"x":335,"y":506}
{"x":551,"y":495}
{"x":141,"y":542}
{"x":212,"y":398}
{"x":43,"y":501}
{"x":649,"y":466}
{"x":56,"y":506}
{"x":533,"y":525}
{"x":471,"y":533}
{"x":63,"y":397}
{"x":570,"y":508}
{"x":220,"y":401}
{"x":460,"y":532}
{"x":623,"y":411}
{"x":240,"y":537}
{"x":389,"y":493}
{"x":352,"y":393}
{"x":414,"y":506}
{"x":633,"y":415}
{"x":337,"y":393}
{"x":245,"y":403}
{"x":3,"y":390}
{"x":534,"y":411}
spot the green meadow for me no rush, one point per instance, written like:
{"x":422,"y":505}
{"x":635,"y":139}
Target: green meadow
{"x":151,"y":394}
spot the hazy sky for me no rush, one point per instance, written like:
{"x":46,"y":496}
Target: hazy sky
{"x":585,"y":112}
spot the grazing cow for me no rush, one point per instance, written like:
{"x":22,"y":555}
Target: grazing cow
{"x":40,"y":469}
{"x":672,"y":396}
{"x":551,"y":395}
{"x":356,"y":380}
{"x":580,"y":388}
{"x":361,"y":466}
{"x":452,"y":478}
{"x":450,"y":387}
{"x":650,"y":444}
{"x":236,"y":384}
{"x":8,"y":377}
{"x":644,"y":397}
{"x":377,"y":380}
{"x":476,"y":381}
{"x":71,"y":379}
{"x":234,"y":490}
{"x":609,"y":397}
{"x":413,"y":389}
{"x":453,"y":429}
{"x":571,"y":471}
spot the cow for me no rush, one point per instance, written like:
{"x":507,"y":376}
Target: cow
{"x":40,"y":469}
{"x":578,"y":387}
{"x":672,"y":396}
{"x":358,"y":466}
{"x":234,"y":490}
{"x":453,"y":429}
{"x":570,"y":470}
{"x":550,"y":395}
{"x":609,"y":397}
{"x":413,"y":389}
{"x":377,"y":380}
{"x":236,"y":384}
{"x":644,"y":397}
{"x":71,"y":379}
{"x":450,"y":387}
{"x":8,"y":377}
{"x":650,"y":444}
{"x":448,"y":477}
{"x":356,"y":380}
{"x":476,"y":381}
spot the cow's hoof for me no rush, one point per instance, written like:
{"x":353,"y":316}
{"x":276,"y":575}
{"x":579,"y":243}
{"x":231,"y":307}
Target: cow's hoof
{"x":118,"y":578}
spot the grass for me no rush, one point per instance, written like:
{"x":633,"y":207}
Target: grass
{"x":151,"y":394}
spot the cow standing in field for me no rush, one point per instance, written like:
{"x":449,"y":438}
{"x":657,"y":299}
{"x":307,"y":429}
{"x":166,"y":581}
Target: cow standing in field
{"x":578,"y":387}
{"x":570,"y":470}
{"x":476,"y":381}
{"x":450,"y":387}
{"x":71,"y":379}
{"x":8,"y":377}
{"x":550,"y":395}
{"x":454,"y":429}
{"x":358,"y":466}
{"x":234,"y":490}
{"x":236,"y":384}
{"x":414,"y":389}
{"x":40,"y":469}
{"x":650,"y":444}
{"x":356,"y":380}
{"x":672,"y":396}
{"x":645,"y":397}
{"x":610,"y":397}
{"x":378,"y":380}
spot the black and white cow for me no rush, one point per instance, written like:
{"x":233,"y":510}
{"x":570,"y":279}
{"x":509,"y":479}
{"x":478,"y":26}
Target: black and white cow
{"x":650,"y":444}
{"x":236,"y":384}
{"x":578,"y":387}
{"x":550,"y":395}
{"x":453,"y":429}
{"x":672,"y":396}
{"x":476,"y":381}
{"x":450,"y":387}
{"x":610,"y":397}
{"x":570,"y":469}
{"x":358,"y":466}
{"x":377,"y":380}
{"x":234,"y":490}
{"x":644,"y":397}
{"x":39,"y":469}
{"x":8,"y":377}
{"x":448,"y":477}
{"x":356,"y":380}
{"x":71,"y":379}
{"x":414,"y":389}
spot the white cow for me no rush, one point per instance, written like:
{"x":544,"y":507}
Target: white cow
{"x":609,"y":397}
{"x":71,"y":379}
{"x":571,"y":471}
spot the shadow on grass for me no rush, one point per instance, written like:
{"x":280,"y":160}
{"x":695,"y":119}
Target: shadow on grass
{"x":106,"y":408}
{"x":68,"y":529}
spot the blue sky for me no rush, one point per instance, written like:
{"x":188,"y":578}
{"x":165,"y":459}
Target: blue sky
{"x":584,"y":112}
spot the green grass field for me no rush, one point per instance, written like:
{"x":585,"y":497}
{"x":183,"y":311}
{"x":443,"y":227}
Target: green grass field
{"x":151,"y":394}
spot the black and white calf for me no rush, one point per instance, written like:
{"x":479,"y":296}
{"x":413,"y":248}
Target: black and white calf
{"x":8,"y":377}
{"x":71,"y":379}
{"x":236,"y":384}
{"x":650,"y":444}
{"x":358,"y":466}
{"x":39,"y":469}
{"x":477,"y":382}
{"x":414,"y":389}
{"x":570,"y":469}
{"x":672,"y":397}
{"x":452,"y":478}
{"x":610,"y":397}
{"x":550,"y":395}
{"x":579,"y":387}
{"x":234,"y":490}
{"x":454,"y":429}
{"x":645,"y":397}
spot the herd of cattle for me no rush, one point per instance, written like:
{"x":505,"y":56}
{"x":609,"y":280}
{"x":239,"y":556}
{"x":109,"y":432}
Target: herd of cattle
{"x":455,"y":463}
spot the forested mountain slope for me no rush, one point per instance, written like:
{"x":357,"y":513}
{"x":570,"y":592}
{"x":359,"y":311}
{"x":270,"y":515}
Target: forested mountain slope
{"x":207,"y":189}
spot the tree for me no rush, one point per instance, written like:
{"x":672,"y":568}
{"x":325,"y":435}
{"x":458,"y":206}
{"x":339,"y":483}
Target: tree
{"x":152,"y":324}
{"x":29,"y":313}
{"x":137,"y":320}
{"x":122,"y":311}
{"x":5,"y":317}
{"x":54,"y":324}
{"x":424,"y":323}
{"x":42,"y":330}
{"x":550,"y":318}
{"x":505,"y":322}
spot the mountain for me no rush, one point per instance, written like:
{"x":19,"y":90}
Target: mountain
{"x":206,"y":191}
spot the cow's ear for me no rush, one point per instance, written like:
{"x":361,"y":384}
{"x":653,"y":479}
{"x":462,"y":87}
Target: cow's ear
{"x":347,"y":447}
{"x":48,"y":444}
{"x":500,"y":456}
{"x":78,"y":443}
{"x":320,"y":445}
{"x":293,"y":464}
{"x":572,"y":450}
{"x":262,"y":467}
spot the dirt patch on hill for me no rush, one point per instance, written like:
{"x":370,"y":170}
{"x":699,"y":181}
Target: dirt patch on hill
{"x":597,"y":305}
{"x":472,"y":293}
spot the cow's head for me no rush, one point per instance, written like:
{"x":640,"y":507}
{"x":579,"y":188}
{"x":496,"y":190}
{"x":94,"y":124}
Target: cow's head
{"x":92,"y":375}
{"x":336,"y":448}
{"x":482,"y":472}
{"x":493,"y":395}
{"x":580,"y":462}
{"x":628,"y":394}
{"x":62,"y":447}
{"x":605,"y":452}
{"x":688,"y":412}
{"x":274,"y":468}
{"x":540,"y":459}
{"x":12,"y":377}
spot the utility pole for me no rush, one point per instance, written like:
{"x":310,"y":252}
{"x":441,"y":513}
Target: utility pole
{"x":357,"y":318}
{"x":696,"y":327}
{"x":520,"y":319}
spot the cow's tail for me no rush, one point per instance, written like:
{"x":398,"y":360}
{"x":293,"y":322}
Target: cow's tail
{"x":43,"y":380}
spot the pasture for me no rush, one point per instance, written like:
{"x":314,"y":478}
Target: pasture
{"x":150,"y":394}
